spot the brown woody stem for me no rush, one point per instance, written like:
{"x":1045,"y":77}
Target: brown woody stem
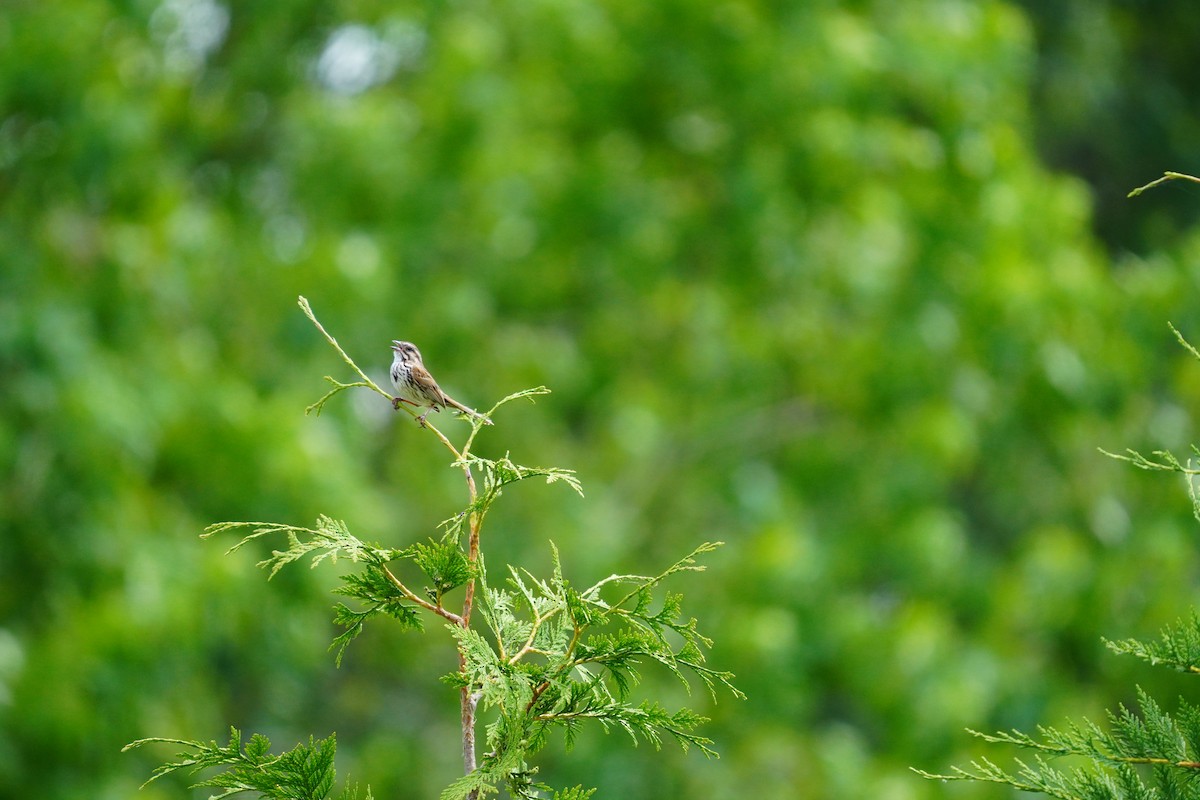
{"x":468,"y":700}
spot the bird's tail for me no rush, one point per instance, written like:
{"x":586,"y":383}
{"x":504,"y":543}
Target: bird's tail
{"x":470,"y":412}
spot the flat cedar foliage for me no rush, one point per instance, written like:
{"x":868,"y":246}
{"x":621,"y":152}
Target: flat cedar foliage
{"x":852,"y":287}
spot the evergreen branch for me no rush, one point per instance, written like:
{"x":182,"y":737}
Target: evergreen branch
{"x":644,"y":722}
{"x":1148,"y":737}
{"x":352,"y":621}
{"x":713,"y":678}
{"x":1121,"y":783}
{"x":1179,"y":336}
{"x":505,"y":767}
{"x":376,"y":587}
{"x":617,"y":653}
{"x":1178,"y":646}
{"x":482,"y":669}
{"x":1040,"y":778}
{"x":1071,"y":741}
{"x":418,"y":600}
{"x":477,"y":423}
{"x":1167,"y":461}
{"x":443,"y":562}
{"x":530,"y":393}
{"x":498,"y":473}
{"x":574,"y":793}
{"x":620,"y":653}
{"x":545,"y":601}
{"x":587,"y":674}
{"x":1167,"y":176}
{"x":338,"y":387}
{"x":329,"y":539}
{"x":441,"y":437}
{"x":305,"y":772}
{"x":685,"y":564}
{"x":534,"y":629}
{"x":475,"y":784}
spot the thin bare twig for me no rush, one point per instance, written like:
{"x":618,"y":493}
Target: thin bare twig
{"x":1167,"y":176}
{"x":370,"y":384}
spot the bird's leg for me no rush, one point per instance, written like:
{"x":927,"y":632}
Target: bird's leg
{"x":396,"y":401}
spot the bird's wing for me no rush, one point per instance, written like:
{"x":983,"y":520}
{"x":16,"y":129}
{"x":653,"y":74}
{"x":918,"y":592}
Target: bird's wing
{"x":422,"y":378}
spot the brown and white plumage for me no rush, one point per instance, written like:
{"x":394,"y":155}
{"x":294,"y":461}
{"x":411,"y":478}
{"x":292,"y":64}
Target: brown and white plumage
{"x":417,"y":387}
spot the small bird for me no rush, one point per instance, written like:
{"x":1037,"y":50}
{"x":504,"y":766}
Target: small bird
{"x":417,"y":387}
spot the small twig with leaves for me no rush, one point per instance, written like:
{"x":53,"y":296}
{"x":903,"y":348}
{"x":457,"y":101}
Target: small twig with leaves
{"x":1165,"y":460}
{"x":1147,"y":736}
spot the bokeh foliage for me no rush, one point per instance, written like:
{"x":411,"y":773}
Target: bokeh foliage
{"x":794,"y":271}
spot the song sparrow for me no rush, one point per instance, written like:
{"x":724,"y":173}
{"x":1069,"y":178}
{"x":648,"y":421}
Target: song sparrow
{"x":417,"y":387}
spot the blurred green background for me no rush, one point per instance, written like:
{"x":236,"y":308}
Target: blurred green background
{"x":853,"y":287}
